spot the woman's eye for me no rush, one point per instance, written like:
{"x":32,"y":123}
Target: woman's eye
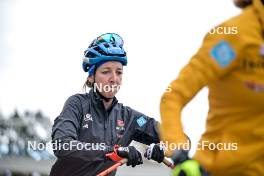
{"x":119,"y":73}
{"x":105,"y":72}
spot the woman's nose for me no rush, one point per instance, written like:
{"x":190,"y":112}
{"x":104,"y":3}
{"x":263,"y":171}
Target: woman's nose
{"x":114,"y":77}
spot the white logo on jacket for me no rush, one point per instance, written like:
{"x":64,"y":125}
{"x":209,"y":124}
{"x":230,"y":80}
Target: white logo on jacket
{"x":85,"y":126}
{"x":88,"y":117}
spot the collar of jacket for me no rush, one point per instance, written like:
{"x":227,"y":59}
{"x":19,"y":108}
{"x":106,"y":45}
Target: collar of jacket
{"x":97,"y":100}
{"x":258,"y":5}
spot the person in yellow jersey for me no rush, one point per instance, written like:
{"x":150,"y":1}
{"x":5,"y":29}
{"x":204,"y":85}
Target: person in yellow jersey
{"x":230,"y":63}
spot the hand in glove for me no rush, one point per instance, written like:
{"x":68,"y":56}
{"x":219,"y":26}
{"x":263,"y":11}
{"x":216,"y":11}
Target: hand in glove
{"x":133,"y":156}
{"x":155,"y":152}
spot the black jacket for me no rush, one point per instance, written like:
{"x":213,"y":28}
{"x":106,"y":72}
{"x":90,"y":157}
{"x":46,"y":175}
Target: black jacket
{"x":84,"y":120}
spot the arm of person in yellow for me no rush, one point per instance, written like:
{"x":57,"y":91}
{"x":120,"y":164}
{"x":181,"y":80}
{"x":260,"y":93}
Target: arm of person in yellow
{"x":218,"y":56}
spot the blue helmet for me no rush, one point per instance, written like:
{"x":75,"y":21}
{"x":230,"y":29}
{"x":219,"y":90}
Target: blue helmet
{"x":107,"y":47}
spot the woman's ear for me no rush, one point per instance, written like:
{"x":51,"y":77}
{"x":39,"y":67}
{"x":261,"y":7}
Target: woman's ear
{"x":91,"y":79}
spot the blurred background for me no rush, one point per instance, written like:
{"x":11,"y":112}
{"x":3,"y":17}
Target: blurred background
{"x":41,"y":46}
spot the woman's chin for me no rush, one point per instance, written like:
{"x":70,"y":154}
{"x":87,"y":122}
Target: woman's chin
{"x":109,"y":94}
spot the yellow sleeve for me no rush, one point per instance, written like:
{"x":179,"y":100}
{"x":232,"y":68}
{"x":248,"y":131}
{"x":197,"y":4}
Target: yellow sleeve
{"x":217,"y":56}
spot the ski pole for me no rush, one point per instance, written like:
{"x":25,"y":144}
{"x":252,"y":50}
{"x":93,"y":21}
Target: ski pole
{"x":168,"y":162}
{"x":112,"y":168}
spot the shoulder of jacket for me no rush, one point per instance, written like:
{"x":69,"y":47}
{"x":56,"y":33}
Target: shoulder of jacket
{"x":78,"y":98}
{"x":238,"y":28}
{"x":247,"y":19}
{"x":244,"y":23}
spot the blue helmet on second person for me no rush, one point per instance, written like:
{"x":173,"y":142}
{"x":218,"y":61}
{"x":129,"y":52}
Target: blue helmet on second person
{"x":107,"y":47}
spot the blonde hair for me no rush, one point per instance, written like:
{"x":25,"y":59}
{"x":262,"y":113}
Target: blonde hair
{"x":242,"y":3}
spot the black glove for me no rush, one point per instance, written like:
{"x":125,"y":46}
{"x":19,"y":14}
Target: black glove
{"x":179,"y":156}
{"x":155,"y":152}
{"x":134,"y":157}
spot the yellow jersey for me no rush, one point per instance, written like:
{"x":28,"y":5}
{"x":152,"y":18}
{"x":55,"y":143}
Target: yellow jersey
{"x":231,"y":65}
